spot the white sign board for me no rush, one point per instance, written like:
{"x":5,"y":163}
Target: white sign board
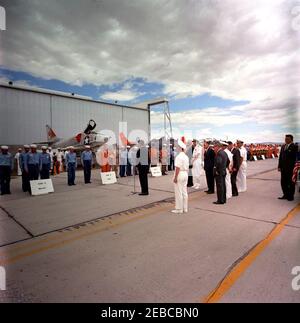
{"x":40,"y":187}
{"x":108,"y":178}
{"x":263,"y":157}
{"x":156,"y":171}
{"x":255,"y":158}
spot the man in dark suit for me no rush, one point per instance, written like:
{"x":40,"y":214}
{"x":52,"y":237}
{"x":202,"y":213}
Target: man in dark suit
{"x":189,"y":153}
{"x":221,"y":164}
{"x":143,"y":162}
{"x":287,"y":160}
{"x":209,"y":162}
{"x":235,"y":167}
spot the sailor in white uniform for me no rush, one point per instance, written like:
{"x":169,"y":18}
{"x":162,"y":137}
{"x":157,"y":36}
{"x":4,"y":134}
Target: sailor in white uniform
{"x":197,"y":165}
{"x":228,"y":172}
{"x":181,"y":179}
{"x":241,"y":180}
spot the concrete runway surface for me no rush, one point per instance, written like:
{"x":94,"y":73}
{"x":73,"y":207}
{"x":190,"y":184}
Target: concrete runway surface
{"x":95,"y":243}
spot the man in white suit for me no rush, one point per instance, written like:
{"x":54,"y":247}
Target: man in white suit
{"x":241,"y":180}
{"x":197,"y":164}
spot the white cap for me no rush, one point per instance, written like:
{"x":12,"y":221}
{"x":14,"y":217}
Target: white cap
{"x":50,"y":148}
{"x":33,"y":146}
{"x":44,"y":147}
{"x":223,"y":143}
{"x":87,"y":147}
{"x":128,"y":147}
{"x":26,"y":146}
{"x":165,"y":145}
{"x":4,"y":147}
{"x":71,"y":147}
{"x":181,"y":144}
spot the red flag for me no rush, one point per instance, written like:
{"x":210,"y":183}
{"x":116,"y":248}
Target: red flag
{"x":296,"y":171}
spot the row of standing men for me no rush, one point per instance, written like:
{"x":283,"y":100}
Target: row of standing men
{"x":34,"y":165}
{"x":225,"y":165}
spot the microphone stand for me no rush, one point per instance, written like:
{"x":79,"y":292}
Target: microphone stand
{"x":134,"y":189}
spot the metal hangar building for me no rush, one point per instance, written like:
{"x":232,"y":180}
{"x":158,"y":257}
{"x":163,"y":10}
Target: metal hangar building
{"x":25,"y":112}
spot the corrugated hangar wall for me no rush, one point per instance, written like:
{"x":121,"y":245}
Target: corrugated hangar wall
{"x":25,"y":113}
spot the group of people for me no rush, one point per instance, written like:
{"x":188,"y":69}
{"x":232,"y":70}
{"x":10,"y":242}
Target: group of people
{"x":224,"y":163}
{"x":121,"y":160}
{"x":225,"y":166}
{"x":34,"y":165}
{"x":57,"y":159}
{"x":261,"y":151}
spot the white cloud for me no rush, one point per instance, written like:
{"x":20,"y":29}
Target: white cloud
{"x":180,"y":90}
{"x":126,"y":93}
{"x":234,"y":122}
{"x":6,"y":80}
{"x":223,"y":46}
{"x":257,"y":136}
{"x":233,"y":49}
{"x":216,"y":117}
{"x":122,"y":95}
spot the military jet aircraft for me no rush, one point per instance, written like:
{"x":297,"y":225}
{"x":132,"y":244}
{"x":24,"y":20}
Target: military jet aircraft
{"x":87,"y":137}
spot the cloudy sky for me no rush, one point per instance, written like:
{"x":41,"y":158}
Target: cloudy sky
{"x":230,"y":68}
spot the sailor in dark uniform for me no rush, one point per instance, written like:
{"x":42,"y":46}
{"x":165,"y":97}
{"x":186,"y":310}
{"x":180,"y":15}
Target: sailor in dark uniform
{"x":32,"y":164}
{"x":25,"y":175}
{"x":45,"y":163}
{"x":71,"y":162}
{"x":86,"y":161}
{"x":6,"y":167}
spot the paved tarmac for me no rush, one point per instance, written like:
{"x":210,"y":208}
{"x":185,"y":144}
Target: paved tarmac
{"x":96,"y":243}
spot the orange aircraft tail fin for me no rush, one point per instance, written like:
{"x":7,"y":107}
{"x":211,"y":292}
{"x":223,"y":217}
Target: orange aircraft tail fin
{"x":51,"y":135}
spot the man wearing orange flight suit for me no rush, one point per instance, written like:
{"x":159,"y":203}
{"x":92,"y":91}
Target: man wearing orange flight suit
{"x":104,"y":158}
{"x":164,"y":159}
{"x":154,"y":155}
{"x":112,"y":160}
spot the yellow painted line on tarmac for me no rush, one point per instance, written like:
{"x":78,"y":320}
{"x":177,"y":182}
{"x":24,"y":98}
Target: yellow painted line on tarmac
{"x":10,"y":255}
{"x":64,"y":233}
{"x":77,"y":235}
{"x":57,"y":235}
{"x":242,"y":266}
{"x":29,"y":243}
